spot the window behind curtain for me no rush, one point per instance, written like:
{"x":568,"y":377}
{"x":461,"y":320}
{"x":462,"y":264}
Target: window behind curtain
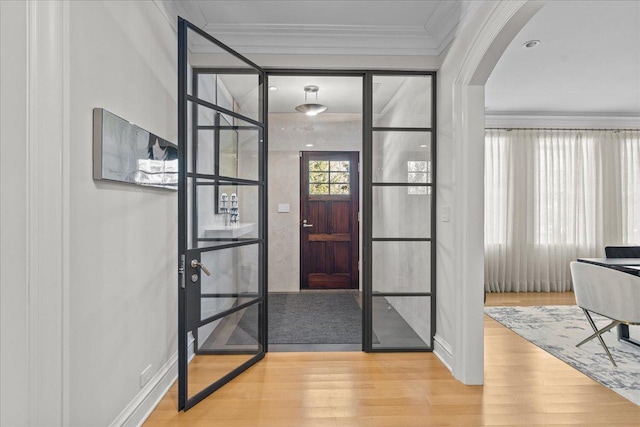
{"x":629,"y":151}
{"x":566,"y":182}
{"x":553,"y":195}
{"x":496,"y":185}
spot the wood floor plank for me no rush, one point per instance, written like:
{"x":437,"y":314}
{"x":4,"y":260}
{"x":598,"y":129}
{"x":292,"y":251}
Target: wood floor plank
{"x":524,"y":385}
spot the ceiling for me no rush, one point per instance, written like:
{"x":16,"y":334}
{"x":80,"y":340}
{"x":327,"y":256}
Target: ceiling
{"x":340,"y":94}
{"x":588,"y":61}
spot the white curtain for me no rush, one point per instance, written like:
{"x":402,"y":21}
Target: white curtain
{"x":554,"y":195}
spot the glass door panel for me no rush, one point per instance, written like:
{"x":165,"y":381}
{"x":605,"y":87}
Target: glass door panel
{"x":234,"y":148}
{"x":222,"y":345}
{"x":401,"y":267}
{"x":400,"y":205}
{"x":222,"y":311}
{"x":401,"y":211}
{"x":205,"y":52}
{"x":403,"y":101}
{"x":229,"y":143}
{"x":226,"y":212}
{"x":401,"y":323}
{"x":402,"y":157}
{"x":232,"y":91}
{"x":233,"y":280}
{"x":207,"y":153}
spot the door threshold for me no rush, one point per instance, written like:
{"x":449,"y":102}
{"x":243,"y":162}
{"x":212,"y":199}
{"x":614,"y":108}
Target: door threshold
{"x":310,"y":348}
{"x":342,"y":291}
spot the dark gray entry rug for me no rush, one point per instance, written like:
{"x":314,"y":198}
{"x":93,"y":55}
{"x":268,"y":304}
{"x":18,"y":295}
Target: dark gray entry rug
{"x":557,"y":330}
{"x":305,"y":318}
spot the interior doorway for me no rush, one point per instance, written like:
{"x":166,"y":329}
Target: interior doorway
{"x":329,"y":208}
{"x":323,"y":313}
{"x":388,"y":118}
{"x":338,"y":129}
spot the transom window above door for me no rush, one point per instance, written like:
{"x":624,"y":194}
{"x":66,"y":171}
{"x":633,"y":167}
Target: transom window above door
{"x":329,"y":177}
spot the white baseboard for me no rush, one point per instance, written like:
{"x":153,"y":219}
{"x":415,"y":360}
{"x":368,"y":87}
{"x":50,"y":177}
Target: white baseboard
{"x":139,"y":409}
{"x":442,"y":350}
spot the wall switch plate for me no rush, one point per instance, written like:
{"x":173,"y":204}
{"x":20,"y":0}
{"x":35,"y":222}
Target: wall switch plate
{"x":284,"y":207}
{"x":145,"y":376}
{"x":445,"y":214}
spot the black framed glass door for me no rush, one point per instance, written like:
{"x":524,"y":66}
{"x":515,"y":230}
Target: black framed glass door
{"x":222,"y":215}
{"x":399,"y":205}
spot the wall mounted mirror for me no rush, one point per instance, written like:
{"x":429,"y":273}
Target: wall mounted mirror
{"x":124,"y":152}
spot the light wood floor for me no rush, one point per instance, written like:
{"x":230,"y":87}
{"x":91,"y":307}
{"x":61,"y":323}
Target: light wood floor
{"x":524,"y":385}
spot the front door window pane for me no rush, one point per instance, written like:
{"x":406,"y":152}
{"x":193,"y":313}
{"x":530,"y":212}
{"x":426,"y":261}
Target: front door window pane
{"x":329,"y":177}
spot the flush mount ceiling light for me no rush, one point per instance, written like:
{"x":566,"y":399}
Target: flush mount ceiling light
{"x":531,"y":43}
{"x":311,"y":109}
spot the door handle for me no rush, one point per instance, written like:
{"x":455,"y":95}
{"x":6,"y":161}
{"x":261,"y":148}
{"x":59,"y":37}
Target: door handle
{"x":195,"y":264}
{"x":305,"y":225}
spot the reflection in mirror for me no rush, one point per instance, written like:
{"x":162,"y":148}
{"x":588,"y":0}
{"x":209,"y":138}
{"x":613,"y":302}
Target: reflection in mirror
{"x":228,"y":149}
{"x":124,"y":152}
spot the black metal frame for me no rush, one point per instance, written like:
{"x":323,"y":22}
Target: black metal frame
{"x":368,"y":238}
{"x":367,"y":185}
{"x":188,"y":297}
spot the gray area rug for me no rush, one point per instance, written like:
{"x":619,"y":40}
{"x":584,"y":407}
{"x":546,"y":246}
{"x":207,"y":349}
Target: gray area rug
{"x":557,"y":330}
{"x":305,"y":318}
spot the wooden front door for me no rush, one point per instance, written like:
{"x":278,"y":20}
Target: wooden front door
{"x":329,"y":220}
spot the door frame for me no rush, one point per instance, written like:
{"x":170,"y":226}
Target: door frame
{"x":355,"y":264}
{"x":296,"y":72}
{"x":367,"y":200}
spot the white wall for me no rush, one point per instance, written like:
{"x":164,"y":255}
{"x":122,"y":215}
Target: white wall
{"x":123,"y":239}
{"x":14,"y":355}
{"x":33,"y":248}
{"x":480,"y":41}
{"x":284,"y":228}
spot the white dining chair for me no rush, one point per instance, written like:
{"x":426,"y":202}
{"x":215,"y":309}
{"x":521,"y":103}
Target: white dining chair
{"x":608,"y":292}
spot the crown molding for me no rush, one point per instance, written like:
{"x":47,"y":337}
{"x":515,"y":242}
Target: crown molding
{"x":428,"y":39}
{"x":563,"y":120}
{"x":318,"y":29}
{"x":325,"y":39}
{"x":446,"y":20}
